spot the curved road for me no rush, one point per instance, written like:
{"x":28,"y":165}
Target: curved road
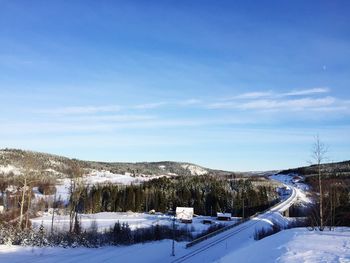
{"x":216,"y":247}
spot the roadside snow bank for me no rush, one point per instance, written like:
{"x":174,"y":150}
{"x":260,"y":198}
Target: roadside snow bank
{"x":296,"y":245}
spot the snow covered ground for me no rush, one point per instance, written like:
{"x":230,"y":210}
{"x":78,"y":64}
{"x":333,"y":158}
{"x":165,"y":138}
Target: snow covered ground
{"x":135,"y":220}
{"x":242,"y":236}
{"x":296,"y":245}
{"x":10,"y":169}
{"x":146,"y":253}
{"x":235,"y":245}
{"x":101,"y":177}
{"x":195,"y":169}
{"x":288,"y":246}
{"x":95,"y":177}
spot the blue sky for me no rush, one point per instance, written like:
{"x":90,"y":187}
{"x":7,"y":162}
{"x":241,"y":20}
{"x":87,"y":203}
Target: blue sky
{"x":223,"y":84}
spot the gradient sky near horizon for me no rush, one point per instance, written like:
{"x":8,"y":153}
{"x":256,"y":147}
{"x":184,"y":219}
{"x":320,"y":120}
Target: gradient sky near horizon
{"x":225,"y":84}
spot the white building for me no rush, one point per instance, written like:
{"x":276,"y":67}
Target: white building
{"x":2,"y":209}
{"x":224,"y":216}
{"x":184,"y":214}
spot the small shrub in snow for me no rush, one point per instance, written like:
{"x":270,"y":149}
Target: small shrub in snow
{"x":263,"y":232}
{"x":120,"y":234}
{"x":211,"y":229}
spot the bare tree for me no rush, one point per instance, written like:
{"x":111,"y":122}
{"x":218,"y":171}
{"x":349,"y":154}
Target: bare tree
{"x":3,"y":186}
{"x":76,"y":189}
{"x":29,"y":198}
{"x":318,"y":155}
{"x":53,"y":212}
{"x":26,"y":180}
{"x":332,"y":196}
{"x":23,"y":182}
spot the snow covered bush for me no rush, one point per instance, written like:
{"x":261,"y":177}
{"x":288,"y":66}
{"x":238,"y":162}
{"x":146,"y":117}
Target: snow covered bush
{"x":7,"y":234}
{"x":120,"y":234}
{"x":263,"y":232}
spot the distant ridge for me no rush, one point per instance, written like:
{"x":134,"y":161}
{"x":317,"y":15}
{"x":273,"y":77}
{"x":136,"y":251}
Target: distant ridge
{"x":12,"y":160}
{"x":335,"y":169}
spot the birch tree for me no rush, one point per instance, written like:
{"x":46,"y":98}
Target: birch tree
{"x":319,"y":151}
{"x":26,"y":180}
{"x":76,"y":189}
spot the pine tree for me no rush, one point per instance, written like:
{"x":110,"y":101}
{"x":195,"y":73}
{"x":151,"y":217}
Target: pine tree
{"x":116,"y":233}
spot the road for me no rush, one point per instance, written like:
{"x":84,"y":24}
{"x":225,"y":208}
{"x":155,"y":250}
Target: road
{"x":214,"y":248}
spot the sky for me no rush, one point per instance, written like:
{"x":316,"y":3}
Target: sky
{"x":224,"y":84}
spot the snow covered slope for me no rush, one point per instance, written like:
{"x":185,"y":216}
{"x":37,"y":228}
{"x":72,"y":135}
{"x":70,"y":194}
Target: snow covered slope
{"x":195,"y":169}
{"x":296,"y":245}
{"x":13,"y":160}
{"x":288,"y":246}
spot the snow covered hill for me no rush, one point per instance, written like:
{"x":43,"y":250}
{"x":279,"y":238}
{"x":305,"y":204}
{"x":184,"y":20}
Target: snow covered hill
{"x":13,"y":162}
{"x":57,"y":169}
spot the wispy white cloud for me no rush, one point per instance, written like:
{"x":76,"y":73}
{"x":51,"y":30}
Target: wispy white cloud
{"x":306,"y":92}
{"x":84,"y":110}
{"x":290,"y":104}
{"x":173,"y":103}
{"x":106,"y":124}
{"x":273,"y":95}
{"x":252,"y":95}
{"x":81,"y":110}
{"x":283,"y":104}
{"x":148,"y":106}
{"x":114,"y":118}
{"x":295,"y":100}
{"x":255,"y":107}
{"x":189,"y":102}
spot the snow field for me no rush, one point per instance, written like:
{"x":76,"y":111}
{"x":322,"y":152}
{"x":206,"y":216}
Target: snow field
{"x":106,"y":220}
{"x":296,"y":245}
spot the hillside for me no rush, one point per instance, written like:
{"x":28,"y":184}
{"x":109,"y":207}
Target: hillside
{"x":336,"y":169}
{"x":13,"y":161}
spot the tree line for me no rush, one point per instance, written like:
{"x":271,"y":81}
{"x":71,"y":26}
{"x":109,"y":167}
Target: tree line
{"x":207,"y":195}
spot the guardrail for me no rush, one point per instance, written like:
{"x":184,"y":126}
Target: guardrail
{"x":201,"y":239}
{"x":212,"y":234}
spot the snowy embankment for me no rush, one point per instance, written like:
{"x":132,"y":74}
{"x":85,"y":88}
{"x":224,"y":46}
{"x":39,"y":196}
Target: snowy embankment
{"x":296,"y":245}
{"x":289,"y":246}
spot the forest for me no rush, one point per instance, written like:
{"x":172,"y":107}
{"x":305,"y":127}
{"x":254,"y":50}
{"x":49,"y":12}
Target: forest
{"x":206,"y":194}
{"x":335,"y":197}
